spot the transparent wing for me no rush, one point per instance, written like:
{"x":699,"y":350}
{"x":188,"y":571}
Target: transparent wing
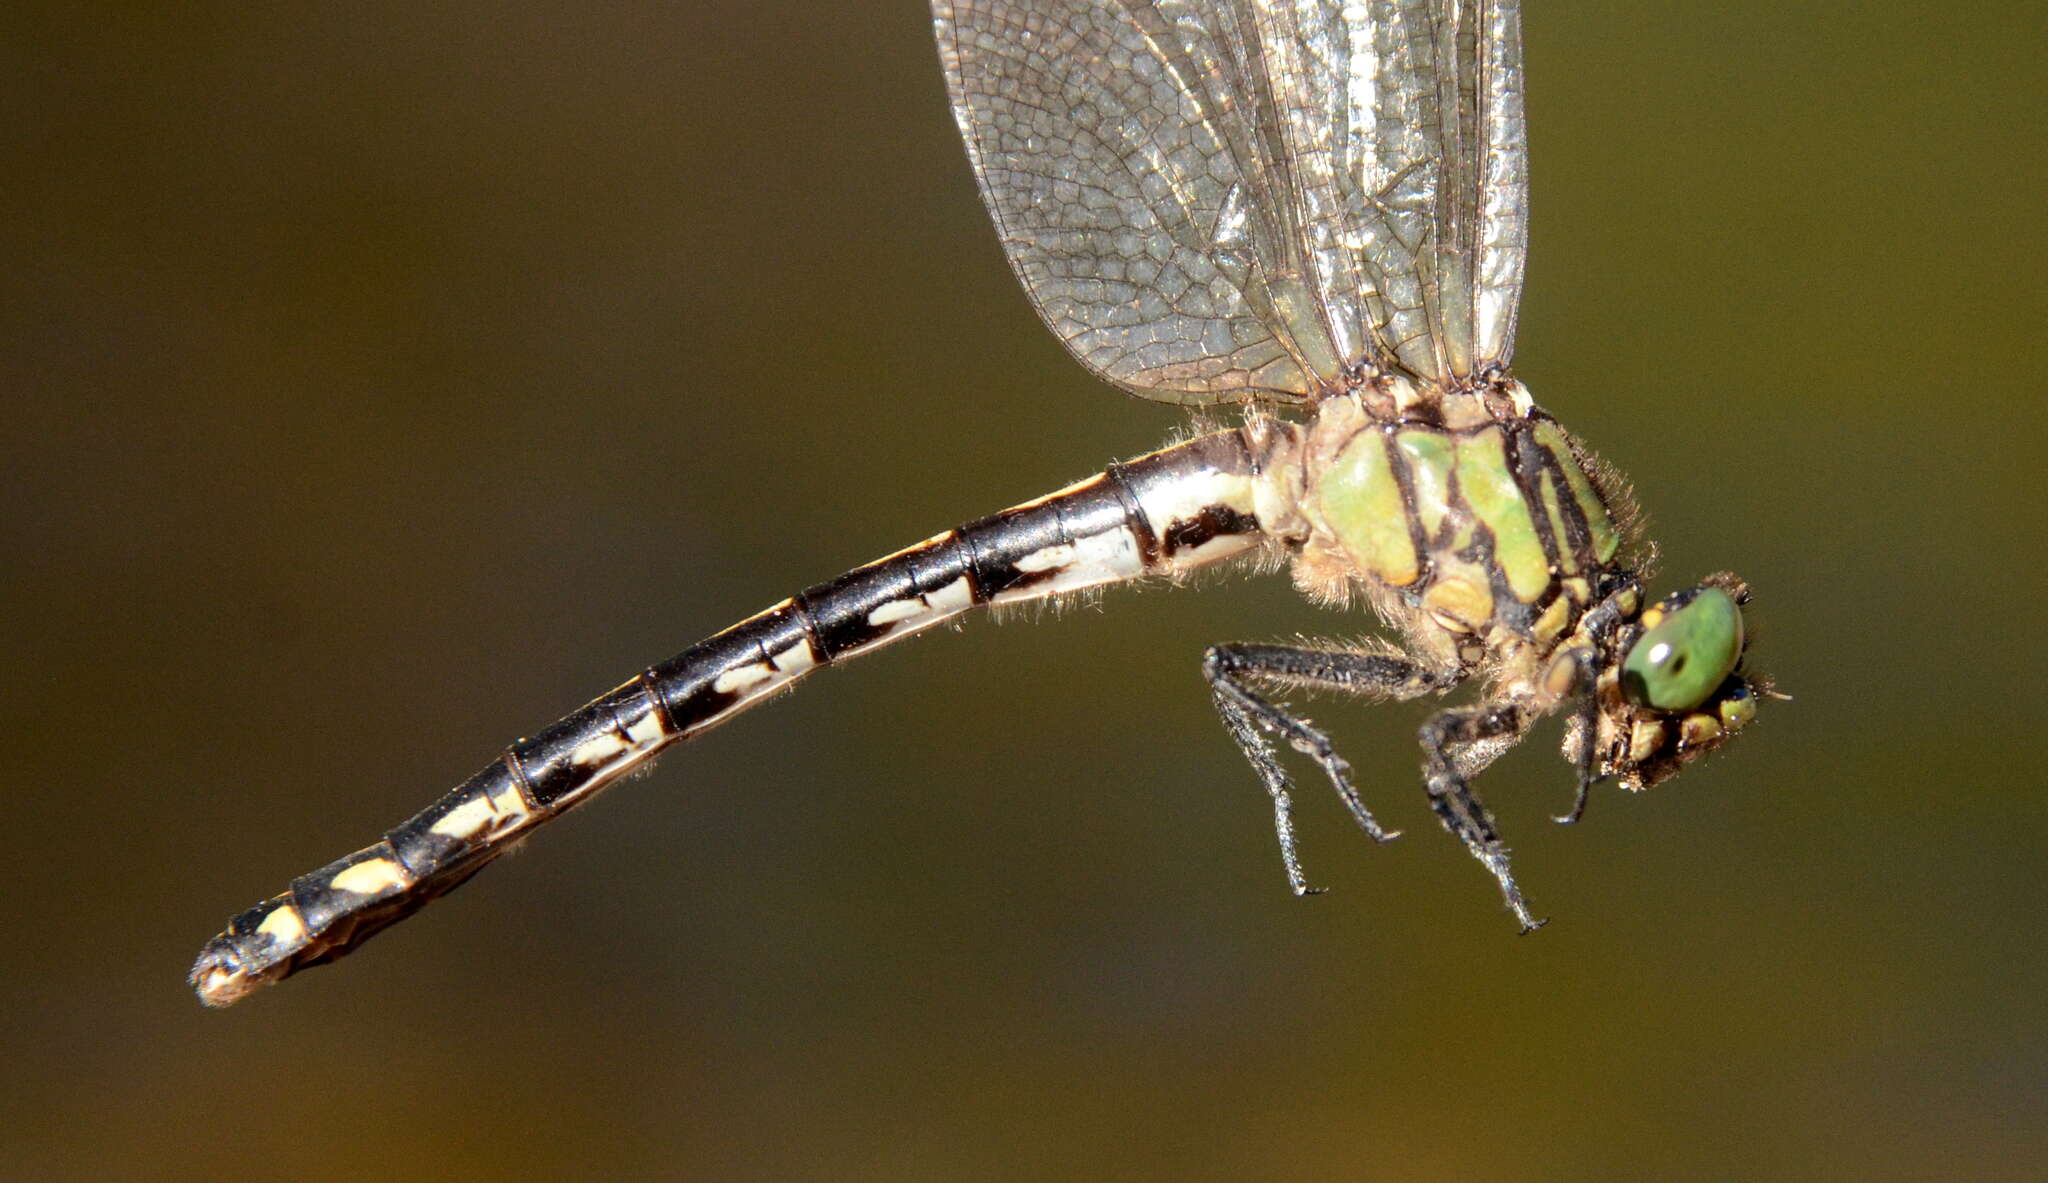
{"x":1219,"y":200}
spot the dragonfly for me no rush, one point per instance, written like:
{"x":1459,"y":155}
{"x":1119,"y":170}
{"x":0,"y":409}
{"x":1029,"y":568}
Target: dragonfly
{"x":1317,"y":211}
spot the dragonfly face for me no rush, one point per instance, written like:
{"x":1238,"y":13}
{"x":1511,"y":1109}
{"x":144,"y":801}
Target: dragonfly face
{"x":1676,"y":688}
{"x":1318,"y":210}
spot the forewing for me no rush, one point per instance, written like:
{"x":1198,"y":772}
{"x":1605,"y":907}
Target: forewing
{"x":1234,"y":199}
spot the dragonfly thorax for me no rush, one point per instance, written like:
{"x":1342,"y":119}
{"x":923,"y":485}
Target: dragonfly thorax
{"x":1470,"y":520}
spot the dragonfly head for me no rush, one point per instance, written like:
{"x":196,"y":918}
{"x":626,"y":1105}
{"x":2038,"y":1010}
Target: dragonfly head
{"x":1676,"y":688}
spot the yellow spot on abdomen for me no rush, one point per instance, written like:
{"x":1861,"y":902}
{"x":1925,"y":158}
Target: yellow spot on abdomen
{"x":597,"y":751}
{"x":285,"y":926}
{"x":370,"y":877}
{"x":465,"y":820}
{"x":896,"y":611}
{"x":742,"y":677}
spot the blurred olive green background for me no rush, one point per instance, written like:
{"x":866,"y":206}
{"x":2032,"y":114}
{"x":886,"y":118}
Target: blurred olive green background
{"x":383,"y":380}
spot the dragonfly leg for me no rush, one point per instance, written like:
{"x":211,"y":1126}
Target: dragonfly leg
{"x":1586,"y":721}
{"x":1238,"y":721}
{"x":1444,"y":737}
{"x":1599,"y":624}
{"x":1250,"y":718}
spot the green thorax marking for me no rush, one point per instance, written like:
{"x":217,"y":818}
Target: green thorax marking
{"x":1466,"y":518}
{"x":1603,"y":539}
{"x":1487,"y":483}
{"x":1429,"y":455}
{"x":1363,"y":505}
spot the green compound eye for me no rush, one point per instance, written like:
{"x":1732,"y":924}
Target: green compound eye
{"x":1683,"y":657}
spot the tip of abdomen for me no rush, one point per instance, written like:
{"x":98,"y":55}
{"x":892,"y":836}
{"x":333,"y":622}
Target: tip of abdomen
{"x":255,"y":950}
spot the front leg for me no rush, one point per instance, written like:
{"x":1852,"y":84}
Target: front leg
{"x":1586,"y":722}
{"x":1444,"y":738}
{"x":1586,"y":659}
{"x":1249,"y":717}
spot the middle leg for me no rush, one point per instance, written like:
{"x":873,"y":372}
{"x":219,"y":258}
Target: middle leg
{"x":1447,"y":735}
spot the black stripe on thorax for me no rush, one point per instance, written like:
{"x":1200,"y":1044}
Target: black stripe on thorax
{"x":1540,"y":462}
{"x":1526,"y":463}
{"x":1426,"y":547}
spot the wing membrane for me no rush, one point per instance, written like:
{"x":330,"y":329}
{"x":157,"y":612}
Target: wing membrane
{"x":1218,"y":200}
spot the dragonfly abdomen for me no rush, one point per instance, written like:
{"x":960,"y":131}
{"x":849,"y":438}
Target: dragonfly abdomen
{"x":1177,"y":509}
